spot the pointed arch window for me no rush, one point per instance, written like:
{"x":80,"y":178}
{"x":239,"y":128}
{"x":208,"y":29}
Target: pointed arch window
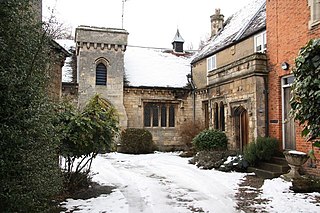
{"x":222,"y":118}
{"x":101,"y":74}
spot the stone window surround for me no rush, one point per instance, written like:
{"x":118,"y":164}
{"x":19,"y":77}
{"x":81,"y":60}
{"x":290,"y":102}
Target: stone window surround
{"x":218,"y":107}
{"x":314,"y":13}
{"x":211,"y":63}
{"x":169,"y":113}
{"x":106,"y":63}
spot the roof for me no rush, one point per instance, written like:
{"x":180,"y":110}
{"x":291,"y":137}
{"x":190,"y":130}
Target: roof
{"x":245,"y":22}
{"x":156,"y":67}
{"x":150,"y":67}
{"x":178,"y":37}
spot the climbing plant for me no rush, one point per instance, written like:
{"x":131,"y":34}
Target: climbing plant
{"x":305,"y":101}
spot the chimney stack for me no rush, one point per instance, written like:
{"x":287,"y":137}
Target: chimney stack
{"x":216,"y":22}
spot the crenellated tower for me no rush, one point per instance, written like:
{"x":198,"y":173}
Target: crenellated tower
{"x":100,"y":70}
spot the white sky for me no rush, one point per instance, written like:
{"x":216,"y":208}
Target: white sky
{"x":149,"y":22}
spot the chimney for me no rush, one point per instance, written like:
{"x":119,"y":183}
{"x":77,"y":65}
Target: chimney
{"x":178,"y":43}
{"x":216,"y":22}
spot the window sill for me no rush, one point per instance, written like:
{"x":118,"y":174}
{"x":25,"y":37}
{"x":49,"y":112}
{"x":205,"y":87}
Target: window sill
{"x":314,"y":24}
{"x":159,"y":127}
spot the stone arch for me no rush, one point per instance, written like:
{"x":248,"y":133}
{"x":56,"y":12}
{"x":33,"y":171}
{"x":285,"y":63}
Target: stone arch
{"x":102,"y":60}
{"x":101,"y":71}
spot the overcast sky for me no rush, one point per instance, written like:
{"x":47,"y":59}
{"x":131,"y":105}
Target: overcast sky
{"x":149,"y":22}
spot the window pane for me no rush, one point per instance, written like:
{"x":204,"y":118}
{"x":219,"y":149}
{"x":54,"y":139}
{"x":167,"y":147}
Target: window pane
{"x":171,"y":116}
{"x":155,"y":116}
{"x":101,"y":74}
{"x":259,"y":43}
{"x":147,"y":115}
{"x":216,"y":116}
{"x":163,"y":116}
{"x":222,"y":119}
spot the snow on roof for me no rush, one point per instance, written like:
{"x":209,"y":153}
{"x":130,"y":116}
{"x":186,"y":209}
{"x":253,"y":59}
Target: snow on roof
{"x":178,"y":37}
{"x":235,"y":26}
{"x":69,"y":45}
{"x":144,"y":66}
{"x":156,"y":67}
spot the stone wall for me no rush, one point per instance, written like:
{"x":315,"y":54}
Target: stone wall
{"x":240,"y":83}
{"x":101,"y":45}
{"x":166,"y":138}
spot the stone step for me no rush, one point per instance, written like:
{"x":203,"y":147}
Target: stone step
{"x":272,"y":167}
{"x":279,"y":160}
{"x":264,"y":173}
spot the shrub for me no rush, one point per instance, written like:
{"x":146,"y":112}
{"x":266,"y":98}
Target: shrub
{"x":210,"y":140}
{"x":189,"y":130}
{"x":137,"y":141}
{"x":262,"y":149}
{"x":29,"y":172}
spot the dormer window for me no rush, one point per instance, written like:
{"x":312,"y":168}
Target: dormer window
{"x":260,"y":42}
{"x":211,"y":63}
{"x":314,"y":12}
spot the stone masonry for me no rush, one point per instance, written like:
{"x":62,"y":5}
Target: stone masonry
{"x":101,"y":45}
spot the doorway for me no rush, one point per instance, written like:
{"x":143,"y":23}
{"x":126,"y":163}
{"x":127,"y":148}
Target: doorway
{"x":241,"y":127}
{"x":288,"y":125}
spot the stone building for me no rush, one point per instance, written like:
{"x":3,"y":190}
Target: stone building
{"x":288,"y":31}
{"x":155,"y":97}
{"x":230,"y":75}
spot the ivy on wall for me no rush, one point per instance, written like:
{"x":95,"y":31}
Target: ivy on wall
{"x":305,"y":101}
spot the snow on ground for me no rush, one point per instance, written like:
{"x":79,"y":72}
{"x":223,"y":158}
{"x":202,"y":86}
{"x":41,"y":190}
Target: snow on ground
{"x":282,"y":199}
{"x":166,"y":183}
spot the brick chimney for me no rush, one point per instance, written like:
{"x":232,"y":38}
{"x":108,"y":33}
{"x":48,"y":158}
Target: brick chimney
{"x":216,"y":22}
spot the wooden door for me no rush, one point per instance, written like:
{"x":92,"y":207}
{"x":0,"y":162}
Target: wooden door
{"x":289,"y":131}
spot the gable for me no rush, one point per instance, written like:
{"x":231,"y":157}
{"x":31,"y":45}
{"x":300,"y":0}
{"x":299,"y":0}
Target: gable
{"x":245,"y":21}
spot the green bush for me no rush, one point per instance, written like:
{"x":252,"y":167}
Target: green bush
{"x":30,"y":176}
{"x":261,"y":150}
{"x":136,"y":141}
{"x":210,"y":140}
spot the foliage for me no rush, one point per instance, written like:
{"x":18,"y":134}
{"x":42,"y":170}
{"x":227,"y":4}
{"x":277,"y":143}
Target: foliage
{"x":262,"y":149}
{"x":137,"y":141}
{"x":86,"y":133}
{"x":189,"y":130}
{"x":210,"y":139}
{"x":306,"y":90}
{"x":29,"y":171}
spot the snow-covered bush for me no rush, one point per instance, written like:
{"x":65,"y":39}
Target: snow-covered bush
{"x":136,"y":141}
{"x":210,"y":139}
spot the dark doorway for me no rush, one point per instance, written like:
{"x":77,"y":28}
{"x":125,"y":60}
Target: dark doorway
{"x":241,"y":127}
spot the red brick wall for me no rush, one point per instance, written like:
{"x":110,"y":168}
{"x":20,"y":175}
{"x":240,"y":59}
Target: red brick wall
{"x":287,"y":32}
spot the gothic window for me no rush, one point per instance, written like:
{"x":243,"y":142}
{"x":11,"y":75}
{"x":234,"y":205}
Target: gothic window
{"x":314,"y":12}
{"x":171,"y":116}
{"x":163,"y":116}
{"x":219,"y":118}
{"x":222,"y":118}
{"x":216,"y":116}
{"x":101,"y":74}
{"x":147,"y":115}
{"x":155,"y":115}
{"x":159,"y":115}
